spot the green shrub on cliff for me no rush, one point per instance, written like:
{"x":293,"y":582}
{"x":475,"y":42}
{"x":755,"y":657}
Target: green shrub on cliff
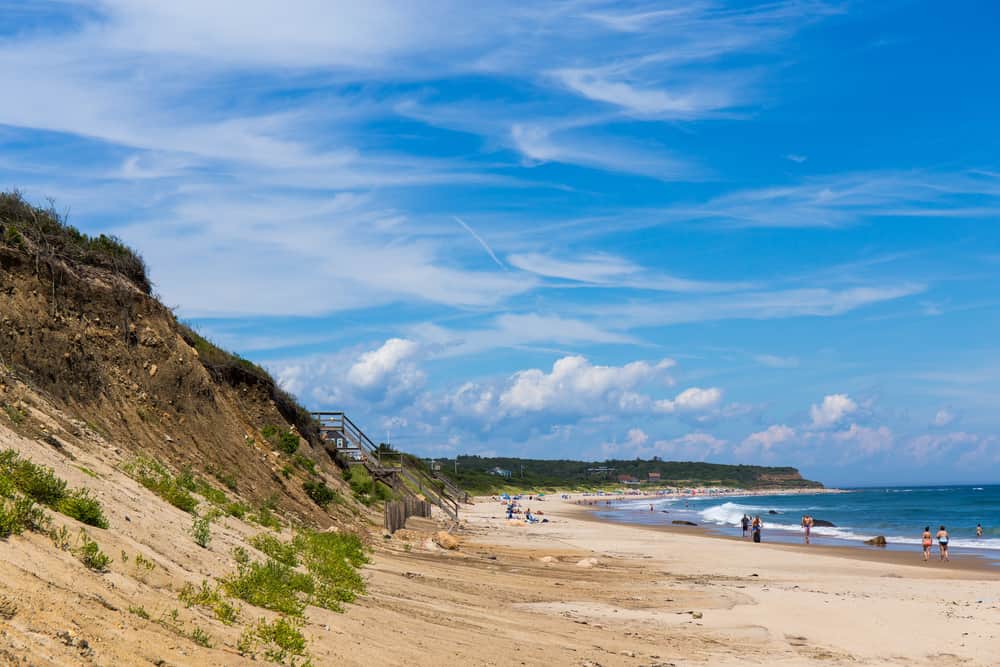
{"x":44,"y":232}
{"x":154,"y":476}
{"x":40,"y":484}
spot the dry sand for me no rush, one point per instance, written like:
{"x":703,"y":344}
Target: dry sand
{"x":576,"y":592}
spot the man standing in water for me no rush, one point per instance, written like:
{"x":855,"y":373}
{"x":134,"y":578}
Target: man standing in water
{"x":757,"y":525}
{"x":745,"y":523}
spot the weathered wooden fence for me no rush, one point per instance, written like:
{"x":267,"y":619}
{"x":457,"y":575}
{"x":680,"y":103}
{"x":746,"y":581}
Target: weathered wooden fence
{"x":398,"y":511}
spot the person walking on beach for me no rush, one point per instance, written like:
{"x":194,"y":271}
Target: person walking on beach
{"x":942,"y":537}
{"x":807,"y":524}
{"x":926,"y":541}
{"x":757,"y":525}
{"x":745,"y":523}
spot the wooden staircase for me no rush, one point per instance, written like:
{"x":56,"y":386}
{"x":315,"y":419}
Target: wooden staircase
{"x":402,"y":473}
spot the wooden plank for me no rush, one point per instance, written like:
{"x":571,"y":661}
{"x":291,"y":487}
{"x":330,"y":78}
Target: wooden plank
{"x":398,"y":511}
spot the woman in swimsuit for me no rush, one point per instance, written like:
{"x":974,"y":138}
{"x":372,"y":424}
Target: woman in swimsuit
{"x":926,"y":540}
{"x":942,"y":537}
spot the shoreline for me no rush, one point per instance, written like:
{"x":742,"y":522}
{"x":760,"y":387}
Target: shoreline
{"x":859,"y":551}
{"x":575,"y":509}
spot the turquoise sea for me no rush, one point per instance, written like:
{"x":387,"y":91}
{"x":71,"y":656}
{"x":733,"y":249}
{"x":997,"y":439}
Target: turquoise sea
{"x":898,"y":513}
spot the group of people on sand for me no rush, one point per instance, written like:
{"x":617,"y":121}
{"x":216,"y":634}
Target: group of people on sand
{"x":942,"y":540}
{"x":514,"y":508}
{"x":927,"y":541}
{"x":754,"y":526}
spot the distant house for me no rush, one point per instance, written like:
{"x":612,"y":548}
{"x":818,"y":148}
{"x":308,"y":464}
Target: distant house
{"x":627,"y":479}
{"x":653,"y":477}
{"x":500,"y":472}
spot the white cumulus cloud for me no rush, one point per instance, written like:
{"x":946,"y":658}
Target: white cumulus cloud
{"x":472,"y":400}
{"x":577,"y":385}
{"x":694,"y":399}
{"x":867,"y":441}
{"x":375,"y":366}
{"x":939,"y":446}
{"x":943,"y":417}
{"x":833,"y":408}
{"x":637,"y":437}
{"x":388,"y":374}
{"x":771,"y":436}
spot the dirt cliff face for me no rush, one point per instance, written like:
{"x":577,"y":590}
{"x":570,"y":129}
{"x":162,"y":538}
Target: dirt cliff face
{"x":787,"y":477}
{"x":153,"y":487}
{"x":88,"y":342}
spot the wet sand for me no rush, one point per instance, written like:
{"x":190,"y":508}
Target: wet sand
{"x":910,"y":555}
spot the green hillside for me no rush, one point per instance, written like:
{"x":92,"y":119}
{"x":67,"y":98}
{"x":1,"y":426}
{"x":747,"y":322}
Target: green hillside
{"x":473,"y":474}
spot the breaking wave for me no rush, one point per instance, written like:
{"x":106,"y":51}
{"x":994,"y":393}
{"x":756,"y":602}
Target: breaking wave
{"x":730,"y":513}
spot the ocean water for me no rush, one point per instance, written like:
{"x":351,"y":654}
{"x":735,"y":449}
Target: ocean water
{"x":898,"y":513}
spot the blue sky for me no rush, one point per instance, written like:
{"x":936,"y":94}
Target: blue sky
{"x":750,"y":232}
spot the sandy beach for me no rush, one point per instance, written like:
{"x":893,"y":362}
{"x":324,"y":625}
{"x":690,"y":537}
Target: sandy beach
{"x":576,"y":591}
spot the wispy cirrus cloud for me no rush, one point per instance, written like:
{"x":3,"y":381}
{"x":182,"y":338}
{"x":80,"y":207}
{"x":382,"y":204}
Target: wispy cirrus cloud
{"x":754,"y":305}
{"x":597,"y":85}
{"x":155,"y":97}
{"x":674,"y":83}
{"x":539,"y":144}
{"x":256,"y":264}
{"x":849,"y":199}
{"x":517,"y":330}
{"x":776,"y":361}
{"x":601,"y":269}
